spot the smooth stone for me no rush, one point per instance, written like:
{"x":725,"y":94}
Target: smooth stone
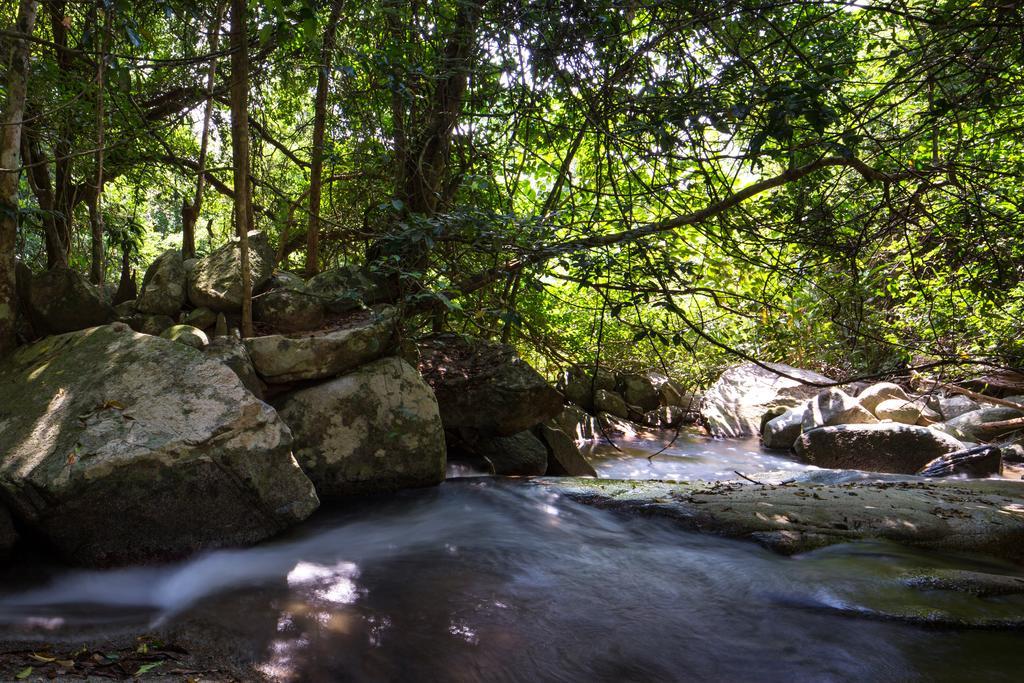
{"x":187,"y":335}
{"x":781,"y":432}
{"x":882,"y":391}
{"x":610,"y":402}
{"x":203,"y":318}
{"x":215,"y":282}
{"x":835,"y":407}
{"x":898,"y":410}
{"x":163,"y":289}
{"x":957,"y":405}
{"x":881,"y":447}
{"x":521,"y":454}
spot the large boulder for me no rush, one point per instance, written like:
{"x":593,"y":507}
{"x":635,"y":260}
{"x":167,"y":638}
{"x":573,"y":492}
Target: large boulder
{"x":640,"y":391}
{"x":564,"y":457}
{"x":485,"y":387}
{"x":966,"y":426}
{"x":881,"y":447}
{"x":119,"y":447}
{"x":898,"y":410}
{"x":374,"y":429}
{"x":283,"y":358}
{"x":230,"y":351}
{"x":346,"y":288}
{"x":882,"y":391}
{"x":734,"y":405}
{"x":610,"y":402}
{"x":163,"y":287}
{"x":577,"y":424}
{"x":580,"y":384}
{"x":521,"y":454}
{"x":203,"y":318}
{"x":782,"y":431}
{"x":61,"y":300}
{"x":955,"y":406}
{"x":215,"y":282}
{"x":835,"y":407}
{"x":288,"y":310}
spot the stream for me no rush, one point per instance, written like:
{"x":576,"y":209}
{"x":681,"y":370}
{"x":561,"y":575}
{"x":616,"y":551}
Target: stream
{"x":501,"y":580}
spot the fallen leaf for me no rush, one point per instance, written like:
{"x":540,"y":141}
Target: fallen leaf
{"x":146,"y":668}
{"x":24,"y":674}
{"x":43,"y":658}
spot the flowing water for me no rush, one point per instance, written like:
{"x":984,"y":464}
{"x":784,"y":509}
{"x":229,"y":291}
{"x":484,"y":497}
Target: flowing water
{"x":502,"y":580}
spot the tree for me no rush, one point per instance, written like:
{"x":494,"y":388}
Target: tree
{"x":10,"y":168}
{"x":240,"y":150}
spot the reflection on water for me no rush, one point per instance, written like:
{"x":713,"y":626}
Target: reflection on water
{"x":689,"y":456}
{"x":483,"y":580}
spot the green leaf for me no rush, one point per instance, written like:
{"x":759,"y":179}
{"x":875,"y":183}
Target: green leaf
{"x":25,"y":673}
{"x":146,"y":668}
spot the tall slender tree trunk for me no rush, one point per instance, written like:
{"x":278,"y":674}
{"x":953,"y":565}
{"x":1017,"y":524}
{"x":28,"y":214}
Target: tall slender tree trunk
{"x":96,"y":204}
{"x":190,"y":214}
{"x":240,"y":149}
{"x":10,"y":170}
{"x":319,"y":123}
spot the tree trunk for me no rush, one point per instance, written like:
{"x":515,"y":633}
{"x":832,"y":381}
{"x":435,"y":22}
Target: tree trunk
{"x":240,"y":149}
{"x":190,"y":213}
{"x":10,"y":170}
{"x":319,"y":122}
{"x":96,"y":204}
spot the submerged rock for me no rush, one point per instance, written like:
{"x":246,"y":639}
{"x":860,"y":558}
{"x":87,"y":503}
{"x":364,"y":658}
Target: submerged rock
{"x":280,"y":358}
{"x":164,"y":285}
{"x":984,"y":516}
{"x":374,"y":429}
{"x":734,"y":405}
{"x":882,"y":447}
{"x":120,"y":447}
{"x":60,"y":300}
{"x":215,"y":282}
{"x":485,"y":387}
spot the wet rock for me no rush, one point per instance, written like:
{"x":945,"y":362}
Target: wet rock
{"x":898,"y":410}
{"x":734,"y":405}
{"x":882,"y":447}
{"x":577,"y":424}
{"x":203,"y":318}
{"x":149,"y":324}
{"x":782,"y":431}
{"x":521,"y":454}
{"x":61,"y":300}
{"x":564,"y":457}
{"x":163,"y":287}
{"x":374,"y":429}
{"x":231,"y":352}
{"x":187,"y":335}
{"x":609,"y":426}
{"x":288,"y":310}
{"x":280,"y":358}
{"x":485,"y":387}
{"x":215,"y":282}
{"x":980,"y":461}
{"x":981,"y":584}
{"x":120,"y":447}
{"x":980,"y":516}
{"x":640,"y":391}
{"x":610,"y":402}
{"x":666,"y":417}
{"x":835,"y":407}
{"x":955,"y":406}
{"x":882,"y":391}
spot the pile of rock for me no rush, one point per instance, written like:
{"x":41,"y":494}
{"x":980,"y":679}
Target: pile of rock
{"x":624,"y":402}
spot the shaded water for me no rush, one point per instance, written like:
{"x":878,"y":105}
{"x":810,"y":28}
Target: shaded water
{"x":502,"y":580}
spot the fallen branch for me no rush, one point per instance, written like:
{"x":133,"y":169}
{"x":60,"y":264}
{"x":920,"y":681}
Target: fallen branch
{"x":953,"y":389}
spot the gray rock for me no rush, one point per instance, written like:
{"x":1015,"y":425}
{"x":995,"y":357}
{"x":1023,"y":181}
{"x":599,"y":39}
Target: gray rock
{"x":119,"y":448}
{"x":61,"y":300}
{"x":288,"y":310}
{"x":611,"y":402}
{"x":374,"y":429}
{"x":149,"y":324}
{"x":163,"y":287}
{"x":220,"y":328}
{"x":231,"y":352}
{"x":666,"y":417}
{"x":734,"y":405}
{"x":640,"y":391}
{"x":609,"y":425}
{"x":955,"y":406}
{"x":281,"y":279}
{"x":187,"y":335}
{"x":345,"y":289}
{"x":215,"y":282}
{"x":485,"y":387}
{"x":964,"y":517}
{"x":203,"y":318}
{"x":521,"y":454}
{"x":835,"y":407}
{"x":898,"y":410}
{"x":882,"y":391}
{"x":282,"y":358}
{"x":564,"y":457}
{"x":782,"y":431}
{"x":965,"y":427}
{"x":125,"y":309}
{"x":882,"y":447}
{"x":580,"y":384}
